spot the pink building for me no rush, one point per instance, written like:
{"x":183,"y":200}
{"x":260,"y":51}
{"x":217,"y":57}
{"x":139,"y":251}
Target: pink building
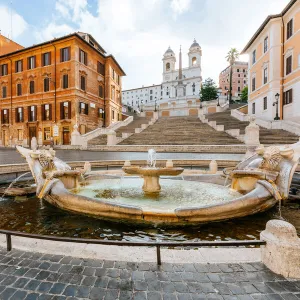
{"x":239,"y":78}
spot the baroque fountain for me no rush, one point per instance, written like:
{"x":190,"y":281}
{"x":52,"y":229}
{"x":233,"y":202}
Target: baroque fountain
{"x":141,"y":196}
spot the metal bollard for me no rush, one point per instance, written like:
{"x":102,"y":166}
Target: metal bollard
{"x":158,"y":255}
{"x":8,"y":242}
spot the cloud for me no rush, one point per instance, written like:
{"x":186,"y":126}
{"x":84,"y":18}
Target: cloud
{"x":180,"y":6}
{"x":138,"y":33}
{"x":19,"y":24}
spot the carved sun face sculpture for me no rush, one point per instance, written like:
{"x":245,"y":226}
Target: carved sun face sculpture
{"x":271,"y":158}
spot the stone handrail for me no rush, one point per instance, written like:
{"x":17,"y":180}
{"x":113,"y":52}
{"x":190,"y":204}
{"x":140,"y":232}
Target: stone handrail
{"x":83,"y":139}
{"x":236,"y":113}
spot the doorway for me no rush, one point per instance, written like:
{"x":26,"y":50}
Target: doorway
{"x":66,"y":136}
{"x":31,"y":134}
{"x":4,"y":138}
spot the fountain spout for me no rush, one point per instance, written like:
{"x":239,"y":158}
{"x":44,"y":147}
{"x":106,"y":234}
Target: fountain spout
{"x":151,"y":158}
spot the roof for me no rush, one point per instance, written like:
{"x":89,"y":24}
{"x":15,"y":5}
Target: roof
{"x":143,"y":87}
{"x":75,"y":34}
{"x":236,"y":63}
{"x":264,"y":24}
{"x":169,"y":50}
{"x":195,"y":44}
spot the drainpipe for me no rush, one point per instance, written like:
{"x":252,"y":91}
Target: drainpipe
{"x":282,"y":69}
{"x":54,"y":82}
{"x":11,"y":119}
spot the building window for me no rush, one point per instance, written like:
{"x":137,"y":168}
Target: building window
{"x":289,"y":65}
{"x":46,"y":112}
{"x":239,"y":89}
{"x":32,"y":113}
{"x":47,"y":134}
{"x":289,"y":29}
{"x":19,"y":89}
{"x":65,"y":80}
{"x":237,"y":70}
{"x":118,"y":79}
{"x":31,"y":87}
{"x":265,"y":103}
{"x":19,"y":66}
{"x":100,"y":91}
{"x":253,"y":84}
{"x":5,"y":116}
{"x":288,"y":97}
{"x":253,"y":108}
{"x":239,"y":75}
{"x":253,"y":57}
{"x":20,"y":134}
{"x":46,"y":84}
{"x":82,"y":83}
{"x":265,"y":44}
{"x":113,"y":93}
{"x":4,"y":92}
{"x":100,"y":68}
{"x":265,"y":75}
{"x":150,"y":97}
{"x":46,"y":59}
{"x":167,"y":66}
{"x":3,"y":70}
{"x":31,"y":62}
{"x":113,"y":114}
{"x":19,"y":114}
{"x":151,"y":92}
{"x":65,"y":110}
{"x":65,"y":54}
{"x":83,"y":57}
{"x":113,"y":73}
{"x":83,"y":108}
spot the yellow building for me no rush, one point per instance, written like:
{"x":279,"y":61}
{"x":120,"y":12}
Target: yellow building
{"x":274,"y":66}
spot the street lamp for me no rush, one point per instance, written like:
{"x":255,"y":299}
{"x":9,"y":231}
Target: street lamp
{"x":276,"y":103}
{"x":219,"y":94}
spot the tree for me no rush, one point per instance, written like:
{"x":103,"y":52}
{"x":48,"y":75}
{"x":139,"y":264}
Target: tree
{"x":208,"y":90}
{"x":231,"y":57}
{"x":244,"y":95}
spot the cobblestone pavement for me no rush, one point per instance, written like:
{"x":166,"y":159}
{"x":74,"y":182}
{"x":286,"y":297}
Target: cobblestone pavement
{"x":25,"y":275}
{"x":11,"y":156}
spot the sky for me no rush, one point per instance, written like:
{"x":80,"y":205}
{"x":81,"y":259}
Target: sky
{"x":138,"y":32}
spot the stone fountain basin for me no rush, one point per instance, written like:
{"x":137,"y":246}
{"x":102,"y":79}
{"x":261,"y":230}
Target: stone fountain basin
{"x":147,"y":171}
{"x":255,"y":201}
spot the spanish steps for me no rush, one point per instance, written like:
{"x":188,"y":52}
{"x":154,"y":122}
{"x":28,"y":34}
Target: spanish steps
{"x":266,"y":136}
{"x":180,"y":131}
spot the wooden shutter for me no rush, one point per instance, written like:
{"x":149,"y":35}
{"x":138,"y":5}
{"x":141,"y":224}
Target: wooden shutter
{"x":50,"y":112}
{"x":69,"y":53}
{"x":79,"y":58}
{"x":1,"y":66}
{"x":80,"y":107}
{"x":16,"y":114}
{"x":291,"y":95}
{"x":85,"y":58}
{"x":69,"y":109}
{"x":61,"y":110}
{"x":86,"y":109}
{"x":43,"y":112}
{"x":61,"y":54}
{"x":49,"y":58}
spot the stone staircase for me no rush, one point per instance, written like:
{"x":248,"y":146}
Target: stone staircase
{"x":124,"y":131}
{"x":180,"y":131}
{"x":237,"y":128}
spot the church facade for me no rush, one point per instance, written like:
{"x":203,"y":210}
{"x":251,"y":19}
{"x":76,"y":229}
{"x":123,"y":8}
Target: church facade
{"x":178,"y":87}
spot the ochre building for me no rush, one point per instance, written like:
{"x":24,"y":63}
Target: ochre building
{"x":47,"y":88}
{"x":274,"y":66}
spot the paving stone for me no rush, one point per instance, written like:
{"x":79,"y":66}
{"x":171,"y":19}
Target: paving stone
{"x":57,"y":288}
{"x":32,"y":296}
{"x":8,"y":292}
{"x":89,"y":271}
{"x":184,"y":296}
{"x":102,"y":282}
{"x":32,"y":285}
{"x":21,"y":282}
{"x":97,"y":293}
{"x":83,"y":291}
{"x":32,"y":273}
{"x":273,"y":297}
{"x":88,"y":280}
{"x":140,"y":296}
{"x":44,"y":266}
{"x":276,"y":287}
{"x":125,"y":295}
{"x":70,"y":290}
{"x":42,"y":275}
{"x":140,"y":285}
{"x":44,"y":287}
{"x":154,"y":296}
{"x":289,"y":296}
{"x":222,"y":288}
{"x":9,"y":280}
{"x":18,"y":295}
{"x":169,"y":297}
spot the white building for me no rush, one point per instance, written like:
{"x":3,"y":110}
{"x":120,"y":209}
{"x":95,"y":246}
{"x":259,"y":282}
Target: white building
{"x":179,"y":85}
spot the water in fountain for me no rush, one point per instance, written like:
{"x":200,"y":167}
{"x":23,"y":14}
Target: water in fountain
{"x":13,"y":182}
{"x":226,"y":180}
{"x":151,"y":158}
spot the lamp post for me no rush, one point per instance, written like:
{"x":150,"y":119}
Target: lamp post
{"x":219,"y":94}
{"x":276,"y":103}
